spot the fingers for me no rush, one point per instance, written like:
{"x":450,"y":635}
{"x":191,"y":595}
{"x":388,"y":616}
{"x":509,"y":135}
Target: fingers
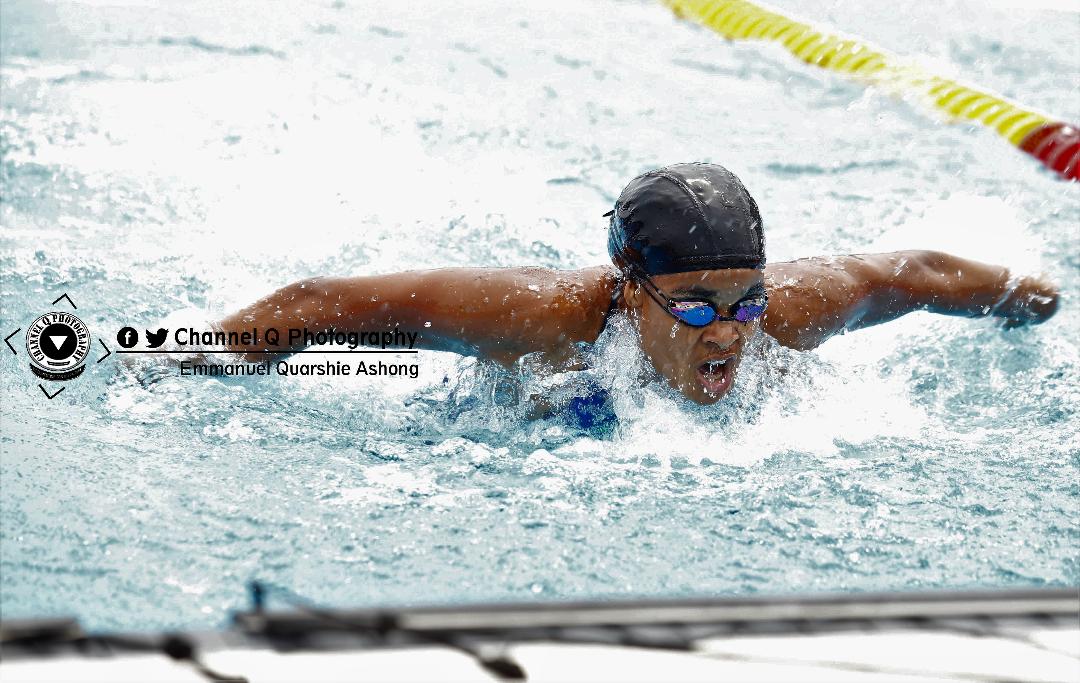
{"x":1031,"y":300}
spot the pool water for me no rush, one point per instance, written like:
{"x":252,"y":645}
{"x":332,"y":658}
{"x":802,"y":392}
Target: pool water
{"x":175,"y":163}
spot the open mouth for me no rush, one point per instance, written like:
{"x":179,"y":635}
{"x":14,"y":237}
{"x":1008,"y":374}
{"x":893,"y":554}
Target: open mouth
{"x":716,"y":375}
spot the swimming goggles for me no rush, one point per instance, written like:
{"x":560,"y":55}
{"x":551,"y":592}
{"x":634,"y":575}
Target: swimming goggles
{"x":701,"y":312}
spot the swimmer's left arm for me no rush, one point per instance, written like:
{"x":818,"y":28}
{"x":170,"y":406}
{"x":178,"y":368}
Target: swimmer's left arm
{"x":811,"y":300}
{"x":951,"y":285}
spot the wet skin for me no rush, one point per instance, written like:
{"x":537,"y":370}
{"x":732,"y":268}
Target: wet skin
{"x":505,"y":313}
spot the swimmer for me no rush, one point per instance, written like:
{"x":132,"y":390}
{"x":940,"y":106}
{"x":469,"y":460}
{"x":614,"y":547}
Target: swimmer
{"x":688,"y":249}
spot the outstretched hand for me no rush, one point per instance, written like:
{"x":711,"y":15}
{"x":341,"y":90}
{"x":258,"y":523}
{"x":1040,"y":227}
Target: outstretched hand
{"x":1030,"y":300}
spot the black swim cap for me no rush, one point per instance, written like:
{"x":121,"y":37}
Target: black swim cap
{"x":686,"y":217}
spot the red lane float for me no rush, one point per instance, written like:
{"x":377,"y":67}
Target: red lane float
{"x":1058,"y":146}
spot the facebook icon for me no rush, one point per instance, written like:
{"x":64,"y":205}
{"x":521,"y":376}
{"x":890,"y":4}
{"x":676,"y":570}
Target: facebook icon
{"x":127,"y":337}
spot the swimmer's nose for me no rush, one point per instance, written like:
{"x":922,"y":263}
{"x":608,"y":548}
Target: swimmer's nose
{"x":722,"y":333}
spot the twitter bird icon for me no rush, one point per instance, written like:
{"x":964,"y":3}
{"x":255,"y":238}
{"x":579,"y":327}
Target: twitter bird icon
{"x":156,"y":339}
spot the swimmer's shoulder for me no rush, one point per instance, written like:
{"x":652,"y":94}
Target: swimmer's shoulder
{"x":505,"y":313}
{"x":599,"y":294}
{"x":799,"y":301}
{"x":571,"y":308}
{"x":579,"y":301}
{"x":812,"y":299}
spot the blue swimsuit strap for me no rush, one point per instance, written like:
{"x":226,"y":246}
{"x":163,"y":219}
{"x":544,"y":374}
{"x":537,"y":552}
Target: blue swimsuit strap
{"x":592,"y":410}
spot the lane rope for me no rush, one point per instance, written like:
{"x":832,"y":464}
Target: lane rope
{"x":1053,"y":142}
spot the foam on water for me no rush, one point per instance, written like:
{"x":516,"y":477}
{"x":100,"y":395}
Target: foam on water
{"x":983,"y":228}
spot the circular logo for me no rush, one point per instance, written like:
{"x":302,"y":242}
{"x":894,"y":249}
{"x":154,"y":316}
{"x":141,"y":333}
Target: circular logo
{"x":58,"y":343}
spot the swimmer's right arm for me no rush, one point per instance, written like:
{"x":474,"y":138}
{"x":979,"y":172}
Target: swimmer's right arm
{"x":496,"y":313}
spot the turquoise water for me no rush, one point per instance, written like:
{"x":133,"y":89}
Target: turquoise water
{"x":176,"y":163}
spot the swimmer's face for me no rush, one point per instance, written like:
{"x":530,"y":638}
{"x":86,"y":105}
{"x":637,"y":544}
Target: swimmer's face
{"x":690,"y":357}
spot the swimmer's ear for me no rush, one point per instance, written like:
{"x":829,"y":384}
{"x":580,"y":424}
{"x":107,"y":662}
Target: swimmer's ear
{"x":633,"y":294}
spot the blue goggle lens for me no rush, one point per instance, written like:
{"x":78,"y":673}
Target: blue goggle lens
{"x":696,"y":313}
{"x":749,"y":310}
{"x":701,"y":313}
